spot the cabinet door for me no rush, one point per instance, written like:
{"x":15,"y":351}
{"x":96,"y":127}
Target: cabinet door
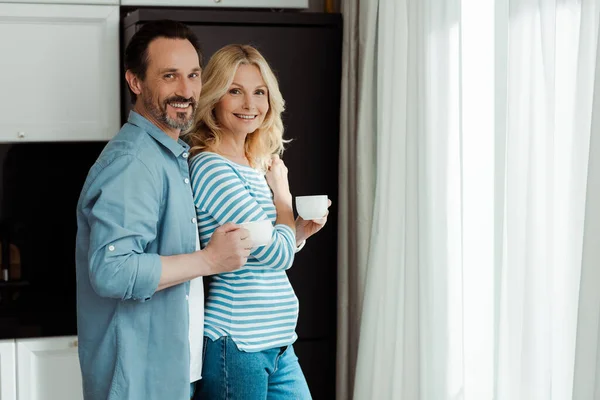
{"x":8,"y":383}
{"x":59,"y":72}
{"x":220,"y":3}
{"x":48,"y":369}
{"x":115,"y":2}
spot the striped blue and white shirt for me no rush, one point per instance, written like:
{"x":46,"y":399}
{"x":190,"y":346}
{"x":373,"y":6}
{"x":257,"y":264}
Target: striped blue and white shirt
{"x":256,"y":305}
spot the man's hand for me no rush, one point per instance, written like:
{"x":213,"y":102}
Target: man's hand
{"x":305,"y":229}
{"x":228,"y":248}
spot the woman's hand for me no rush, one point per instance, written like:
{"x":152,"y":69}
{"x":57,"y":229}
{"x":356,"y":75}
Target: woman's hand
{"x":277,"y":178}
{"x":305,"y":229}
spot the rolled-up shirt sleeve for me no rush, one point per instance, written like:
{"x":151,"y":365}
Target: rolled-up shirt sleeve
{"x":124,"y":207}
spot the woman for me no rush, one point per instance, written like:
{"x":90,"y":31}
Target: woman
{"x":237,"y":176}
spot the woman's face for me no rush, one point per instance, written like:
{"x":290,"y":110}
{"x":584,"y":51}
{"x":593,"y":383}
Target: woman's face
{"x":243,"y":108}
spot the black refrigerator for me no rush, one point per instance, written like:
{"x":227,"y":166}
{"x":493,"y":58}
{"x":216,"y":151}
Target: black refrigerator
{"x":305,"y":51}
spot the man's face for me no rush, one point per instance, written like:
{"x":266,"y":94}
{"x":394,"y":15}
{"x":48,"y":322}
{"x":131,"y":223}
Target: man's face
{"x":169,"y":94}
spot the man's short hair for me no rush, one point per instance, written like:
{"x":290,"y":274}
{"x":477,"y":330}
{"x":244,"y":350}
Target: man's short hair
{"x":136,"y":53}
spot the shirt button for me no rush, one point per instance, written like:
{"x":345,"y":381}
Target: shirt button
{"x":186,"y":180}
{"x":193,"y":220}
{"x":187,"y":296}
{"x":111,"y":248}
{"x":185,"y":155}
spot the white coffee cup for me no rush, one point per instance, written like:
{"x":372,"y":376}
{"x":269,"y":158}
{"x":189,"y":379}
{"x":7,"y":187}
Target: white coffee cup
{"x":311,"y":207}
{"x":260,"y":232}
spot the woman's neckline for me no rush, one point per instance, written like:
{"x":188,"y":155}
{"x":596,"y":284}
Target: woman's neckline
{"x":230,"y":160}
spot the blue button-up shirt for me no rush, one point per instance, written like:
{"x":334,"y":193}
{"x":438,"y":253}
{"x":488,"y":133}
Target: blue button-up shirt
{"x":135,"y":206}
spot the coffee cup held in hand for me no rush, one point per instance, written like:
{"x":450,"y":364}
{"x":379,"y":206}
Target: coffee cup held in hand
{"x":311,"y":207}
{"x":260,"y":232}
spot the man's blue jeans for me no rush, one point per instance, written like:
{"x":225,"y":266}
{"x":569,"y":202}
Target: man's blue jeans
{"x":231,"y":374}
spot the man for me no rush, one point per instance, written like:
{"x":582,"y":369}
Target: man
{"x":137,"y":243}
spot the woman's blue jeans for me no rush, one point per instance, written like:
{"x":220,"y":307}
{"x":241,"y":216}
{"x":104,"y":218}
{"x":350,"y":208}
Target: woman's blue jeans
{"x":231,"y":374}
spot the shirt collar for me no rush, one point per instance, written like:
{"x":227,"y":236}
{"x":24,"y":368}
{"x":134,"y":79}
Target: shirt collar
{"x":176,"y":147}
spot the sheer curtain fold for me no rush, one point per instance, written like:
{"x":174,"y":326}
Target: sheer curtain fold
{"x":586,"y":380}
{"x":468,"y":259}
{"x":405,"y":343}
{"x":388,"y":351}
{"x":549,"y":91}
{"x":357,"y":180}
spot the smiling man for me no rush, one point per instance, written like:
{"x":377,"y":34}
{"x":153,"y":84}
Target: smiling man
{"x":139,"y":263}
{"x":167,"y":78}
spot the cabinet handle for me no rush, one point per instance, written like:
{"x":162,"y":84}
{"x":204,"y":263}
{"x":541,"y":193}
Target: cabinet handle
{"x":21,"y":135}
{"x":74,"y":343}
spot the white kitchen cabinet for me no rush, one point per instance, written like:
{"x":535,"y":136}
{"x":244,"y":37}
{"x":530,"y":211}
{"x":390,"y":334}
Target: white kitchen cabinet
{"x":59,"y":72}
{"x":48,"y":369}
{"x":87,"y":2}
{"x":8,"y":371}
{"x":299,"y":4}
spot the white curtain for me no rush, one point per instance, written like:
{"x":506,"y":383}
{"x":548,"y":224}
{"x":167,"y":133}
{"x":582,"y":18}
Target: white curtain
{"x":467,"y":124}
{"x":357,"y":181}
{"x":550,"y":70}
{"x":586,"y":383}
{"x":401,"y":243}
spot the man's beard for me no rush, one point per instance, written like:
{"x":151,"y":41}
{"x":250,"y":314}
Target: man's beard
{"x":159,"y":112}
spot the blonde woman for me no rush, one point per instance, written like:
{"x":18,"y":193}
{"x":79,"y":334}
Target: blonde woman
{"x":237,"y":176}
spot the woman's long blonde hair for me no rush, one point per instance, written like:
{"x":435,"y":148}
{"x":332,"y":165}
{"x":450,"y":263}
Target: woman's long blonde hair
{"x":218,"y":76}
